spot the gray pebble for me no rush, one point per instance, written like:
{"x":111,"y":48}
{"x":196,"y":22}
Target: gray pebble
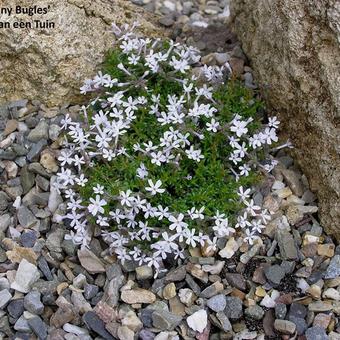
{"x":280,"y":311}
{"x":32,"y":302}
{"x":38,"y":327}
{"x":5,"y":297}
{"x":15,"y":308}
{"x":28,"y":239}
{"x":90,"y":291}
{"x":274,"y":274}
{"x":316,"y":333}
{"x":255,"y":312}
{"x":333,"y":269}
{"x":233,"y":308}
{"x":217,"y":303}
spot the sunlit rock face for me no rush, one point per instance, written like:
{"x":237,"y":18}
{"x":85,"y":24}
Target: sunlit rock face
{"x":294,"y":49}
{"x":52,"y":46}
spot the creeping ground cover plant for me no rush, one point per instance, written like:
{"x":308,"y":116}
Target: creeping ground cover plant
{"x":164,"y":158}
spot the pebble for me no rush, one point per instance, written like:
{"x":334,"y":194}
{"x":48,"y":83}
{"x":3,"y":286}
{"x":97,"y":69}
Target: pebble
{"x":90,"y":261}
{"x":229,"y":250}
{"x":39,"y":132}
{"x":5,"y":297}
{"x":15,"y":308}
{"x":274,"y":274}
{"x":38,"y":327}
{"x":69,"y":328}
{"x":28,"y":239}
{"x":138,"y":295}
{"x":144,"y":273}
{"x":124,"y":333}
{"x":212,"y":290}
{"x":224,"y":322}
{"x":236,"y":280}
{"x":316,"y":333}
{"x":26,"y":275}
{"x":26,"y":218}
{"x":198,"y":321}
{"x":217,"y":303}
{"x":293,"y":181}
{"x":331,"y":293}
{"x":32,"y":302}
{"x":131,"y":320}
{"x":280,"y":311}
{"x":165,"y":320}
{"x":187,"y":296}
{"x":255,"y":312}
{"x":284,"y":326}
{"x":90,"y":291}
{"x":333,"y":269}
{"x":22,"y":325}
{"x":320,"y":306}
{"x":233,"y":308}
{"x":95,"y":324}
{"x":286,"y":244}
{"x":177,"y":274}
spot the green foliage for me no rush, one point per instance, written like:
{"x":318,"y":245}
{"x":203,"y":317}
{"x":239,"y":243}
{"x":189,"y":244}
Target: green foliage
{"x":208,"y":183}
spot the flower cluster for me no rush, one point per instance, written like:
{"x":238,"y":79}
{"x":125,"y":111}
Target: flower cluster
{"x":136,"y":164}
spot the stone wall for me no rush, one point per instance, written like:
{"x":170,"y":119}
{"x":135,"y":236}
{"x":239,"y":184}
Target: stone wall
{"x":50,"y":65}
{"x":294,"y":50}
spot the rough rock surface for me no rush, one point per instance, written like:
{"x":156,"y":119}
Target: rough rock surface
{"x":295,"y":53}
{"x":51,"y":64}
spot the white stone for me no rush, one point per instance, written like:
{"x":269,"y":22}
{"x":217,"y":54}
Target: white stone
{"x":331,"y":293}
{"x":278,"y":185}
{"x":268,"y":302}
{"x":214,"y":269}
{"x":54,"y":199}
{"x":198,"y":321}
{"x":5,"y":297}
{"x":26,"y":275}
{"x":69,"y":328}
{"x":302,"y":285}
{"x":230,"y":249}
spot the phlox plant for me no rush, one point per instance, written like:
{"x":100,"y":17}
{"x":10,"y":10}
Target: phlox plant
{"x":163,"y":158}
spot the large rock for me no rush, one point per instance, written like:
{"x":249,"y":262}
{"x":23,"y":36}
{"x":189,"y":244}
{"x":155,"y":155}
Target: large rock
{"x":50,"y":65}
{"x":294,"y":49}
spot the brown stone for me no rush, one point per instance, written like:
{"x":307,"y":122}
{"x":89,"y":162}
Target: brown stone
{"x":268,"y":323}
{"x":62,"y":316}
{"x":326,"y":249}
{"x":138,"y":295}
{"x":294,"y":50}
{"x":322,"y":320}
{"x":19,"y":253}
{"x":11,"y":126}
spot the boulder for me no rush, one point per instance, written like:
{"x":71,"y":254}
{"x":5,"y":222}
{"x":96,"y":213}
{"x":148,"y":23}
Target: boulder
{"x":51,"y":64}
{"x":294,"y":50}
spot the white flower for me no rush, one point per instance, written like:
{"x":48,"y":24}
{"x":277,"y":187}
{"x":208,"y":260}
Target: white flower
{"x":239,"y":127}
{"x":191,"y":239}
{"x":251,"y":207}
{"x":155,"y":188}
{"x":96,"y":205}
{"x":177,"y":223}
{"x":273,"y":122}
{"x":142,"y":172}
{"x":213,"y":125}
{"x":98,"y":189}
{"x":81,"y":181}
{"x":244,"y":170}
{"x":250,"y":236}
{"x":243,"y":194}
{"x":125,"y":198}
